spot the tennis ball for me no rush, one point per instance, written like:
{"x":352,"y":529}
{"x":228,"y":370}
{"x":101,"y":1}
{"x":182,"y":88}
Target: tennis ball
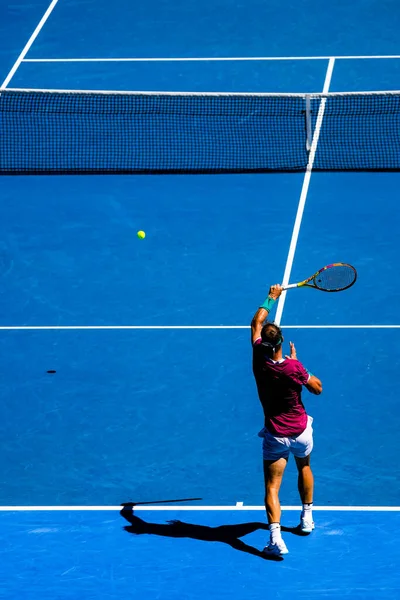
{"x":141,"y":235}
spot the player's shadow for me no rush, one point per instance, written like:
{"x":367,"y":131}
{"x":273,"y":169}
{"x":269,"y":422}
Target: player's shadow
{"x":227,"y":534}
{"x":295,"y":530}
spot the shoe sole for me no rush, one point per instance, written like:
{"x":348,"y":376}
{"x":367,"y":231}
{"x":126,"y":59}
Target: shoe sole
{"x":307,"y":529}
{"x":270,"y":553}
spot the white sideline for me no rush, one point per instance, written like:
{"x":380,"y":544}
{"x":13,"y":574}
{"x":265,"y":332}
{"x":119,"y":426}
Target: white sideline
{"x":158,"y":327}
{"x":211,"y":58}
{"x":304,"y":191}
{"x":239,"y":506}
{"x":28,"y":45}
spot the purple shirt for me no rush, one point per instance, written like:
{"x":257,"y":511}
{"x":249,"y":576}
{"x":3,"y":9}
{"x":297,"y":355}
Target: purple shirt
{"x":279,"y":387}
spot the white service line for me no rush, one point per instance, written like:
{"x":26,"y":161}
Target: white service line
{"x":304,"y":191}
{"x":150,"y":327}
{"x":171,"y":327}
{"x":239,"y":506}
{"x":209,"y":59}
{"x":28,"y":45}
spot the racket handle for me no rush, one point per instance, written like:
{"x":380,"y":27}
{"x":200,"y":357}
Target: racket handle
{"x":290,"y":286}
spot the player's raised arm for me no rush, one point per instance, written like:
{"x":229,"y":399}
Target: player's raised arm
{"x":260,"y":316}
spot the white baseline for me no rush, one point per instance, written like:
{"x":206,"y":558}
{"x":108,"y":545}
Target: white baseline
{"x":158,"y":327}
{"x":238,"y":506}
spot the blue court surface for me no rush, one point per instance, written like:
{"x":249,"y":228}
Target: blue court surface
{"x":152,"y":396}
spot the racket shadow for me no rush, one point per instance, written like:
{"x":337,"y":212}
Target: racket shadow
{"x":226,"y":534}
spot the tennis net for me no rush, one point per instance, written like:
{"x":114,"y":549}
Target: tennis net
{"x":53,"y":131}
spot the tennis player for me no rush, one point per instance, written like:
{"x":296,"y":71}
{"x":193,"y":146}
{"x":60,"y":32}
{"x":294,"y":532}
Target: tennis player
{"x":287,"y":427}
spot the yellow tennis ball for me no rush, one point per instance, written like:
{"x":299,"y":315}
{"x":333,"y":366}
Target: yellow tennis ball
{"x":141,"y":235}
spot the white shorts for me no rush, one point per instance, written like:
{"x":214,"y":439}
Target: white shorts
{"x":275,"y":448}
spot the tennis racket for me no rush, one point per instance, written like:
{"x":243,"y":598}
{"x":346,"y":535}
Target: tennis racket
{"x":332,"y":278}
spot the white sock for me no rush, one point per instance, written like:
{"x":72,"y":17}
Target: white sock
{"x":275,"y":532}
{"x":306,"y":513}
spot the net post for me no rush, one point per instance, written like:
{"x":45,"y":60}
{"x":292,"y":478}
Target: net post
{"x":308,"y":123}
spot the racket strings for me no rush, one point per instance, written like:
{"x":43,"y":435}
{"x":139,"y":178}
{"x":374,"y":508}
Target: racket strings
{"x":336,"y":277}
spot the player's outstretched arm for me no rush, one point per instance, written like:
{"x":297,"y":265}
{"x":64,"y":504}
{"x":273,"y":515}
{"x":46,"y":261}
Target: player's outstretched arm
{"x":261,"y":314}
{"x":314,"y":385}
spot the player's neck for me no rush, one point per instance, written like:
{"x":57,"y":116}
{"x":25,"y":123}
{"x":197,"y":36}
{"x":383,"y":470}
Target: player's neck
{"x":277,"y":355}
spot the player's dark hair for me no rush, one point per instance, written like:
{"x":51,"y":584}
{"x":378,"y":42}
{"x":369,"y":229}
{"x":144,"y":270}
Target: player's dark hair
{"x":271,"y":338}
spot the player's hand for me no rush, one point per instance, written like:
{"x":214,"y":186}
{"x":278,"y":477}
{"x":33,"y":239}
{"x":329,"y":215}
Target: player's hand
{"x":275,"y":291}
{"x":293,"y":354}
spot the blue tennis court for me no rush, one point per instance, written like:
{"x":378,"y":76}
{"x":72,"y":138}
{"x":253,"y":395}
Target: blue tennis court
{"x":125,"y":369}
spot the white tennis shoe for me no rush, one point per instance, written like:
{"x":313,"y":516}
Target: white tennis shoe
{"x":276,"y":549}
{"x":306,"y":525}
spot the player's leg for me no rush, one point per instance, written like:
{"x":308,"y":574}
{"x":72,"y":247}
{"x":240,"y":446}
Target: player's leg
{"x":306,"y":491}
{"x":275,"y":456}
{"x":305,"y":479}
{"x":301,"y":448}
{"x":273,"y":473}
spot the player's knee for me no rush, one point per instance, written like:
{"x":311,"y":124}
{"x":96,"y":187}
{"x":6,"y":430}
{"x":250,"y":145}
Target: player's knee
{"x":303,"y":462}
{"x":272,"y":489}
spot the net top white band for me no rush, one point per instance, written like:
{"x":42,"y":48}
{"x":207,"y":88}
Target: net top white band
{"x":202,"y":94}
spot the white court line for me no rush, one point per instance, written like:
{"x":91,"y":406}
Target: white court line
{"x":28,"y":45}
{"x":239,"y":506}
{"x":150,"y":327}
{"x":304,"y":191}
{"x":210,"y":58}
{"x":340,"y":327}
{"x":172,"y":327}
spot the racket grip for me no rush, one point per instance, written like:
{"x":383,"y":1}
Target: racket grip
{"x":290,"y":286}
